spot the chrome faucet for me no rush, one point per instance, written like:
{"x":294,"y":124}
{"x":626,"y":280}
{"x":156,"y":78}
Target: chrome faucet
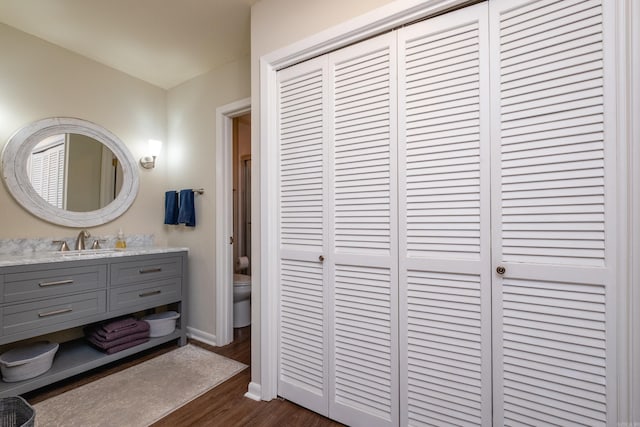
{"x":80,"y":240}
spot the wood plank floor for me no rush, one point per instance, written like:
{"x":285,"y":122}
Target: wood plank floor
{"x":224,"y":405}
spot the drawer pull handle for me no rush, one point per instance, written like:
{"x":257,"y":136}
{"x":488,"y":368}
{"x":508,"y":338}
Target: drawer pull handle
{"x":150,"y":270}
{"x":59,"y":282}
{"x":53,"y":313}
{"x":148,"y":294}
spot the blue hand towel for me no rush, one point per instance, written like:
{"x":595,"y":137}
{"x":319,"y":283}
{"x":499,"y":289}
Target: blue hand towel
{"x":187,"y":212}
{"x":171,"y":207}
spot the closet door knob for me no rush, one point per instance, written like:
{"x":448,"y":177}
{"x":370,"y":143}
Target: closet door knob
{"x":321,"y":258}
{"x":501,"y":270}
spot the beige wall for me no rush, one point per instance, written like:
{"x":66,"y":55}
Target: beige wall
{"x":38,"y":80}
{"x":191,"y":164}
{"x":276,"y":24}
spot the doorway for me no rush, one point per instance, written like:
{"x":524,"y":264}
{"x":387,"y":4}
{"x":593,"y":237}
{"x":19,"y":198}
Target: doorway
{"x":241,"y":188}
{"x":232,"y":119}
{"x":241,"y":242}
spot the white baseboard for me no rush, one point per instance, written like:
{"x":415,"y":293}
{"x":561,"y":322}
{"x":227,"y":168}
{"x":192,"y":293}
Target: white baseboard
{"x":254,"y":392}
{"x":201,"y":336}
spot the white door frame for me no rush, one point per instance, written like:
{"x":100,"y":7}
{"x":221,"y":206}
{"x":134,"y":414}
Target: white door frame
{"x":224,"y":218}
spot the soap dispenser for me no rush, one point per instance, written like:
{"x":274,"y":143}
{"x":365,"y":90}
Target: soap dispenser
{"x":120,"y":242}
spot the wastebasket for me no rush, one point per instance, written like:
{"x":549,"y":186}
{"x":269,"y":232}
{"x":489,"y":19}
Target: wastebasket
{"x":16,"y":412}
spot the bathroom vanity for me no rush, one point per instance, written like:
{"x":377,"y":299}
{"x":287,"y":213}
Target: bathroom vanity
{"x":52,"y":292}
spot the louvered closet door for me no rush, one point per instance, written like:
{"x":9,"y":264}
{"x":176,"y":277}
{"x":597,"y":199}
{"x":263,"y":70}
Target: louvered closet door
{"x":553,"y":195}
{"x":363,"y":246}
{"x":303,"y":338}
{"x":445,"y":277}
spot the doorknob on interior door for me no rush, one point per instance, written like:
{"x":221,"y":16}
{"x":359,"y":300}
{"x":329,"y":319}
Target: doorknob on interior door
{"x":321,"y":258}
{"x":501,"y":270}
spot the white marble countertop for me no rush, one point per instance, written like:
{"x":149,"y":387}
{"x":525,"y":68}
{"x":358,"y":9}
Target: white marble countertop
{"x":39,"y":257}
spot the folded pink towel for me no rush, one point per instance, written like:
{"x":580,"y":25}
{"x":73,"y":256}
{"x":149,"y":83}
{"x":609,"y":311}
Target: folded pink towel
{"x":103,"y":335}
{"x":105,"y":345}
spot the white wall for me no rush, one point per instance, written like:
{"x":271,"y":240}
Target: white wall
{"x":191,"y":164}
{"x":276,"y":24}
{"x":38,"y":80}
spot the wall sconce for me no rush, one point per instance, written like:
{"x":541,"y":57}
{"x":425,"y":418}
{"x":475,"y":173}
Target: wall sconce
{"x":149,"y":162}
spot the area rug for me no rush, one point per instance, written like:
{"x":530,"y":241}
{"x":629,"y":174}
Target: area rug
{"x":141,"y":394}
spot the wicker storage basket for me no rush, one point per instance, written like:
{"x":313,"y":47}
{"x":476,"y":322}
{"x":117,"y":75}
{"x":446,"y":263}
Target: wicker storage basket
{"x":16,"y":412}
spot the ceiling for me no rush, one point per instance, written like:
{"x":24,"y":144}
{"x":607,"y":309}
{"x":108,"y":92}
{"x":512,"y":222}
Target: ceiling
{"x":163,"y":42}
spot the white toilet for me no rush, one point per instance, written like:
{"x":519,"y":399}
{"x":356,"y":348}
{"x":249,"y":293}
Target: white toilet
{"x":241,"y":300}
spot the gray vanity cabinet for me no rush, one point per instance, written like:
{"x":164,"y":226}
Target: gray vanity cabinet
{"x":41,"y":298}
{"x":143,"y":282}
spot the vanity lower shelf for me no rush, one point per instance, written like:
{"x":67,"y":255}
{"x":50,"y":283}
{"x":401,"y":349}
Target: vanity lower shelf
{"x":75,"y":357}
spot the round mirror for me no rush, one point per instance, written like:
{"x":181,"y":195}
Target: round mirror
{"x":70,"y":172}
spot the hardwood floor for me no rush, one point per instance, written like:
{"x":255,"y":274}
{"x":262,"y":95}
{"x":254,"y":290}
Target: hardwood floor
{"x":225,"y":405}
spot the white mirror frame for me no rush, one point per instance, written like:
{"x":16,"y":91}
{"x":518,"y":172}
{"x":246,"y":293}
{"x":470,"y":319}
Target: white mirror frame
{"x":14,"y":171}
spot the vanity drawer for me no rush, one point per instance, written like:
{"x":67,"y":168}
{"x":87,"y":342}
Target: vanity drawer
{"x":145,"y":295}
{"x":47,"y":283}
{"x":147,"y":269}
{"x":31,"y":315}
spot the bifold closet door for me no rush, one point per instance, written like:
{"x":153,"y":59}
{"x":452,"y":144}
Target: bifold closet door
{"x":362,"y":240}
{"x":445,"y":276}
{"x":338,"y":245}
{"x":303,"y":295}
{"x":553,"y":200}
{"x":446,"y":236}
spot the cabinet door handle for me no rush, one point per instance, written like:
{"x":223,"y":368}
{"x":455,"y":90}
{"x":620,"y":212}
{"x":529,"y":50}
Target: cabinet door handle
{"x":150,"y":270}
{"x":54,"y":312}
{"x":59,"y":282}
{"x":148,"y":294}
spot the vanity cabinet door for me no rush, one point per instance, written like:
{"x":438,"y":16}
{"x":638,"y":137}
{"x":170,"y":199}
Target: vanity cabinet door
{"x":52,"y":314}
{"x":145,"y":295}
{"x":46,"y":283}
{"x":145,"y":269}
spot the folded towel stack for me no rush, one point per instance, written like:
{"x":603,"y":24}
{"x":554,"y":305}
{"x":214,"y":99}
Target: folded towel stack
{"x":117,"y":335}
